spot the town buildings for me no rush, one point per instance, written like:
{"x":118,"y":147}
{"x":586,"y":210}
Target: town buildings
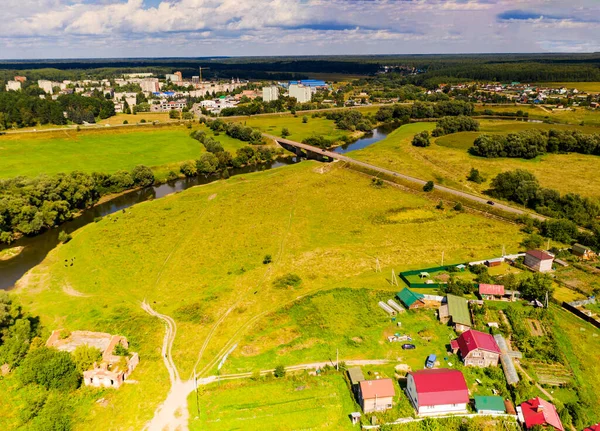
{"x":149,"y":85}
{"x":302,"y":93}
{"x":113,"y":369}
{"x":437,"y":391}
{"x":538,"y":411}
{"x":13,"y":86}
{"x":270,"y":94}
{"x":539,"y":260}
{"x":477,"y":349}
{"x":376,"y":395}
{"x":46,"y":85}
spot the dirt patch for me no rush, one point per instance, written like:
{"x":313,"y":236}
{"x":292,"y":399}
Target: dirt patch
{"x":443,"y":277}
{"x":211,"y":197}
{"x":68,"y":290}
{"x":535,"y":327}
{"x":300,"y":346}
{"x":249,"y":350}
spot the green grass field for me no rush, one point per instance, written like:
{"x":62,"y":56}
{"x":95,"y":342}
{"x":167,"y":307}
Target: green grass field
{"x":447,"y":161}
{"x":303,"y":402}
{"x":102,"y":150}
{"x":197,"y":256}
{"x":573,"y":116}
{"x":588,"y":87}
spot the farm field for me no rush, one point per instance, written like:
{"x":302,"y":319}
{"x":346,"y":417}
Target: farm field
{"x":101,"y":150}
{"x":162,"y":117}
{"x":198,"y":257}
{"x":447,"y":161}
{"x":588,"y":87}
{"x":303,"y":402}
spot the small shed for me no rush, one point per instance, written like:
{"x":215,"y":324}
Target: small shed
{"x":355,"y":417}
{"x":585,"y":253}
{"x":490,"y":263}
{"x":356,"y":376}
{"x":491,"y":291}
{"x":461,"y":267}
{"x":411,"y":299}
{"x":424,"y":274}
{"x":489,"y":405}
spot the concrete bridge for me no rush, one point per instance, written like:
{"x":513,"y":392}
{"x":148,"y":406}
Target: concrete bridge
{"x":314,"y":153}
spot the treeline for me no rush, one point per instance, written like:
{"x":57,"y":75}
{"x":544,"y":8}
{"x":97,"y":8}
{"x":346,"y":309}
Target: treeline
{"x":522,"y":186}
{"x":26,"y":108}
{"x":217,"y":159}
{"x":350,"y":120}
{"x":461,"y":123}
{"x":30,"y":205}
{"x":419,"y":110}
{"x":236,"y":131}
{"x":529,"y":144}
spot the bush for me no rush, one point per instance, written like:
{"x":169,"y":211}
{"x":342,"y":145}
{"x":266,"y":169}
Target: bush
{"x":475,"y":176}
{"x":51,"y":369}
{"x":267,"y":259}
{"x":285,"y":132}
{"x":188,"y":169}
{"x":421,"y":139}
{"x":288,"y":280}
{"x":458,"y":207}
{"x":279,"y":371}
{"x":428,"y":186}
{"x":125,"y":122}
{"x":305,"y":119}
{"x":85,"y":356}
{"x":440,"y":205}
{"x":64,"y":237}
{"x":142,"y":176}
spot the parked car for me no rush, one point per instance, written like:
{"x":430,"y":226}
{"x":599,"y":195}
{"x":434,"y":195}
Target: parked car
{"x":491,"y":203}
{"x":408,"y":346}
{"x":430,"y":361}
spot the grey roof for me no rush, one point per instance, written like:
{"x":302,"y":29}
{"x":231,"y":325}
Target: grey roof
{"x":356,"y":375}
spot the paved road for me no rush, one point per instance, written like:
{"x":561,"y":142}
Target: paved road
{"x":468,"y":196}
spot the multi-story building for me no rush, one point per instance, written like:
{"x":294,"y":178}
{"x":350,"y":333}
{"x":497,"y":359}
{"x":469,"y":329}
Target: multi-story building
{"x":46,"y":85}
{"x":149,"y":85}
{"x":21,"y":79}
{"x":13,"y":86}
{"x":270,"y":93}
{"x":171,"y":77}
{"x":179,"y":76}
{"x":302,"y":93}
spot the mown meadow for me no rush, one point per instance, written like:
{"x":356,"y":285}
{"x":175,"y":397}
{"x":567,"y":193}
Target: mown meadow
{"x":198,"y":257}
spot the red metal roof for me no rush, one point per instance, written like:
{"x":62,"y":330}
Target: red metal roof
{"x":454,"y":344}
{"x":377,"y":388}
{"x":539,"y":254}
{"x":473,"y":340}
{"x":593,"y":428}
{"x":440,"y":386}
{"x":540,"y":412}
{"x":491,"y":289}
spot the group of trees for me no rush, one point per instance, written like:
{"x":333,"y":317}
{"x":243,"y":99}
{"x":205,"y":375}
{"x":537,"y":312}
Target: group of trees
{"x":460,"y":123}
{"x":529,"y":144}
{"x":419,"y":110}
{"x":236,"y":131}
{"x":80,"y":108}
{"x":421,"y":139}
{"x":350,"y":120}
{"x":523,"y":187}
{"x":31,"y":205}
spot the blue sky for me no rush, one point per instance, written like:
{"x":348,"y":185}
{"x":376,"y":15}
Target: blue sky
{"x":160,"y":28}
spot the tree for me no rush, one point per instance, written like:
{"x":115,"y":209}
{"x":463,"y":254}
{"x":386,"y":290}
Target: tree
{"x":85,"y":356}
{"x":458,"y":207}
{"x":267,"y":259}
{"x":421,"y":139}
{"x":475,"y":176}
{"x":279,"y":371}
{"x":533,"y":241}
{"x":142,"y":176}
{"x":285,"y":132}
{"x":188,"y":169}
{"x":428,"y":186}
{"x":174,"y":114}
{"x":64,"y":237}
{"x":536,"y":286}
{"x":305,"y":119}
{"x":51,"y":369}
{"x":207,"y":163}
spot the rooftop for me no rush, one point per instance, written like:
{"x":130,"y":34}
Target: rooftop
{"x":491,"y":289}
{"x":459,"y":310}
{"x":538,"y":411}
{"x":473,"y":340}
{"x":440,"y":386}
{"x":495,"y":404}
{"x":356,"y":375}
{"x":377,"y":388}
{"x":539,"y":254}
{"x":408,"y":297}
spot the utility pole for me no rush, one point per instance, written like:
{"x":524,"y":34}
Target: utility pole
{"x":503,"y":251}
{"x":442,"y":258}
{"x":197,"y":399}
{"x":377,"y":266}
{"x":394,"y":281}
{"x":337,"y":359}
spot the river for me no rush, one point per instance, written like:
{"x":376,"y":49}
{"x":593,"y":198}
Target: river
{"x":36,"y":248}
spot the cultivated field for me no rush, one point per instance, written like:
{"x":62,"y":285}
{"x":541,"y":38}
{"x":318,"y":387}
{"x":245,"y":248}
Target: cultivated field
{"x":106,"y":150}
{"x":198,"y":257}
{"x":447,"y":161}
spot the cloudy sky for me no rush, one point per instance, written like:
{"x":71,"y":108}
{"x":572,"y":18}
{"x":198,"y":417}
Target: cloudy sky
{"x":168,"y":28}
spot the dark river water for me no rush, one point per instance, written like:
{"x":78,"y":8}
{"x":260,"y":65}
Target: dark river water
{"x":37,"y":247}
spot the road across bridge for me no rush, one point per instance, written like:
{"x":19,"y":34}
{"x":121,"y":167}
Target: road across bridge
{"x":324,"y":155}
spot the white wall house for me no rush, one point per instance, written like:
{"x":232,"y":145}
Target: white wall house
{"x":302,"y":93}
{"x":437,"y":392}
{"x":13,"y":86}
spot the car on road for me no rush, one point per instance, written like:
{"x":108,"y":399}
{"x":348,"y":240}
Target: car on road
{"x":430,"y":361}
{"x":491,"y":203}
{"x":408,"y":346}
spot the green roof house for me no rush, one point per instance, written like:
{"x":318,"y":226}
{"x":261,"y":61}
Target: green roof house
{"x":456,"y":312}
{"x":411,"y":299}
{"x":489,"y":405}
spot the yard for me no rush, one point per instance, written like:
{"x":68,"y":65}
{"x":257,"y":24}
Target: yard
{"x":292,"y":403}
{"x":198,"y":257}
{"x":447,"y":161}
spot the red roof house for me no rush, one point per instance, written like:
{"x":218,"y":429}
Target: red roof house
{"x":593,"y":428}
{"x":487,"y":290}
{"x":538,"y":260}
{"x":540,"y":412}
{"x":477,"y":348}
{"x":376,"y":395}
{"x":437,"y":391}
